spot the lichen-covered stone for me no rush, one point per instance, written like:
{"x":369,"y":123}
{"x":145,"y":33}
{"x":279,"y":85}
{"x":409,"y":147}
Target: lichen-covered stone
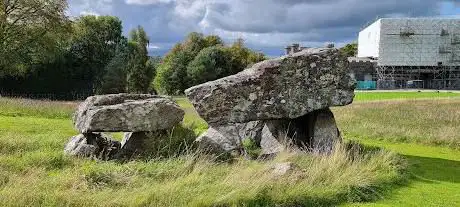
{"x":93,"y":145}
{"x":227,"y":138}
{"x":315,"y":131}
{"x":284,"y":88}
{"x":79,"y":147}
{"x":212,"y":141}
{"x":127,"y":113}
{"x":325,"y":131}
{"x":141,"y":144}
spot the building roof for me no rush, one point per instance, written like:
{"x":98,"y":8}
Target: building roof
{"x":361,"y":59}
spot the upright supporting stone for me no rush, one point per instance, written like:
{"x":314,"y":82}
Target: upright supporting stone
{"x":134,"y":144}
{"x":316,"y":132}
{"x":325,"y":132}
{"x":94,"y":145}
{"x":79,"y":146}
{"x":141,"y":144}
{"x":226,"y":138}
{"x":214,"y":142}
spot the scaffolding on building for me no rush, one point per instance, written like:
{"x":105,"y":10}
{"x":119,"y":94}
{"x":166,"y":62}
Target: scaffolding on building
{"x":412,"y":74}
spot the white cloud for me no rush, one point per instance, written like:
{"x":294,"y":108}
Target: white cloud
{"x":263,"y":23}
{"x":89,"y":13}
{"x":148,"y":2}
{"x":83,"y":7}
{"x":153,"y":47}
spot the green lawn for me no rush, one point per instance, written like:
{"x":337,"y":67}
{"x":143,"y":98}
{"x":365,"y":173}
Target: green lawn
{"x":431,"y":122}
{"x":425,"y":132}
{"x":373,"y":96}
{"x":434,"y":176}
{"x":33,"y":170}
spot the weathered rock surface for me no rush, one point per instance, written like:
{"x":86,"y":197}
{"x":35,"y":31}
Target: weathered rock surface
{"x":139,"y":144}
{"x":134,"y":142}
{"x":315,"y":131}
{"x":94,"y":145}
{"x":228,"y":138}
{"x":127,"y":113}
{"x":325,"y":131}
{"x":272,"y":141}
{"x":281,"y":169}
{"x":284,"y":88}
{"x":215,"y":142}
{"x":79,"y":146}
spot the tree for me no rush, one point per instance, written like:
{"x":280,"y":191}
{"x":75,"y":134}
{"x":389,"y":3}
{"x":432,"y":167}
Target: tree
{"x":241,"y":56}
{"x":210,"y":64}
{"x":28,"y":32}
{"x":199,"y":59}
{"x":213,"y":40}
{"x":194,"y":43}
{"x":172,"y":74}
{"x":171,"y":77}
{"x":152,"y":64}
{"x":162,"y":81}
{"x":350,"y":50}
{"x":115,"y":77}
{"x":93,"y":45}
{"x":139,"y":74}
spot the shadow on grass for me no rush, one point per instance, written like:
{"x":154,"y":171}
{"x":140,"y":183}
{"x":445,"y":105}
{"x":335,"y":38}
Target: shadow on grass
{"x":434,"y":169}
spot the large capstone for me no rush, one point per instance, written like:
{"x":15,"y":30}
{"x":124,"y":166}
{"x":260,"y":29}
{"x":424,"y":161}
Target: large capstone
{"x":127,"y":113}
{"x":284,"y":88}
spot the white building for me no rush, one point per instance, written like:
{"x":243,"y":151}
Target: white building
{"x":412,"y":41}
{"x":408,"y":50}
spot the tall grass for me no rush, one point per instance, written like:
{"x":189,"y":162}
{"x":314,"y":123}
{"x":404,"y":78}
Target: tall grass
{"x":403,"y":95}
{"x":192,"y":180}
{"x":431,"y":122}
{"x":36,"y":108}
{"x":34,"y":171}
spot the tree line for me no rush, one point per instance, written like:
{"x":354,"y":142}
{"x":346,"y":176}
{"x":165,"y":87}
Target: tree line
{"x":45,"y":52}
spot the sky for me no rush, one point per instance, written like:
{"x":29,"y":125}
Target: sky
{"x":266,"y":25}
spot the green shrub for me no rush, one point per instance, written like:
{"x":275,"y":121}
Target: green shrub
{"x":251,"y":149}
{"x":199,"y":59}
{"x":210,"y":64}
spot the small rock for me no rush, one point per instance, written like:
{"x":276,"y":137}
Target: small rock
{"x":281,"y":169}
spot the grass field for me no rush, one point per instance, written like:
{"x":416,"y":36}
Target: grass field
{"x":430,"y":122}
{"x":372,"y":96}
{"x":33,"y":170}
